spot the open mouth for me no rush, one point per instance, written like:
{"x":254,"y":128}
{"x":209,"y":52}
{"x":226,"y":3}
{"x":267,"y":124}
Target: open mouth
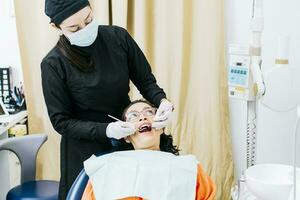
{"x":145,"y":128}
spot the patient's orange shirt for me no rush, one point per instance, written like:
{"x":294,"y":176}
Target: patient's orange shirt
{"x":205,"y":188}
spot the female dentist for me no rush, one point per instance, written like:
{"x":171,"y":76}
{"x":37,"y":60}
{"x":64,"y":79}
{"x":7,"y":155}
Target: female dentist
{"x":85,"y":78}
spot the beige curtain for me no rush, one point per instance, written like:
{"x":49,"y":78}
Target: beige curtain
{"x":184,"y":42}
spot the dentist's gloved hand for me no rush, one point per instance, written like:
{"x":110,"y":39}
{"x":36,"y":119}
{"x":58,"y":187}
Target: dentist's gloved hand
{"x":163,"y":114}
{"x":120,"y":129}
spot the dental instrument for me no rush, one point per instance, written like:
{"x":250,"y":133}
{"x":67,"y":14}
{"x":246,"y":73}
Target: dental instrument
{"x":114,"y":118}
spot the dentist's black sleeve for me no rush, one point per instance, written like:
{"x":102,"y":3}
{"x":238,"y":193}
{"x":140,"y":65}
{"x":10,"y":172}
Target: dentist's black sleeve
{"x":140,"y":71}
{"x":59,"y":106}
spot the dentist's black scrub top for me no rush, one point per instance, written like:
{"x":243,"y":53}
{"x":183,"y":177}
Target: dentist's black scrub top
{"x":78,"y":102}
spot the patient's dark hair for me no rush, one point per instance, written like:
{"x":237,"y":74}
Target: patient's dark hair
{"x":166,"y":141}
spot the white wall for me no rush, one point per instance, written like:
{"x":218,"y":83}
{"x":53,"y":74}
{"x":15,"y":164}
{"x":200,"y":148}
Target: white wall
{"x":275,"y":130}
{"x":9,"y":56}
{"x":9,"y":47}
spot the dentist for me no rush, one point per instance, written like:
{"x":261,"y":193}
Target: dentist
{"x":85,"y":77}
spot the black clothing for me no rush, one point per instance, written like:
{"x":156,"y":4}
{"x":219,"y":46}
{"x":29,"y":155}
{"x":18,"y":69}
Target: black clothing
{"x":59,"y":10}
{"x":78,"y":102}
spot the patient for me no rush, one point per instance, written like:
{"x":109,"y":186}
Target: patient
{"x":141,"y":113}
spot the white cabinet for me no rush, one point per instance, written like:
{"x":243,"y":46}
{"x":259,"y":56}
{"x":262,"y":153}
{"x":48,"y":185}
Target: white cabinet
{"x":14,"y":170}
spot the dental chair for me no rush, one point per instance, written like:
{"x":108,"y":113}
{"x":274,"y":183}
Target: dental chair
{"x":78,"y":187}
{"x":26,"y":149}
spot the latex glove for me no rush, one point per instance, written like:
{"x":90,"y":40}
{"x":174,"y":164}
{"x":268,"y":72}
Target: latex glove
{"x":120,"y":129}
{"x":163,"y":114}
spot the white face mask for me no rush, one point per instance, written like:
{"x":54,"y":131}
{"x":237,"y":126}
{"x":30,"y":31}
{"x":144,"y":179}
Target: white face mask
{"x":86,"y":36}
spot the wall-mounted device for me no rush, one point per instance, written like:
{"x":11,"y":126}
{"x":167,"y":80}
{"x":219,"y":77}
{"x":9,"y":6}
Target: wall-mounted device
{"x":240,"y":82}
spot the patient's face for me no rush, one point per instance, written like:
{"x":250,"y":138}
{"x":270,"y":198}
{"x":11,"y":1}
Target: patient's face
{"x":141,"y":115}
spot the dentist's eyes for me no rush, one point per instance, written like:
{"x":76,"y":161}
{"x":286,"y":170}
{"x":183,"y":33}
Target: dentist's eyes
{"x":74,"y":30}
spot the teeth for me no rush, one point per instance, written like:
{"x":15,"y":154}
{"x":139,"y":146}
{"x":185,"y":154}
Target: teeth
{"x":144,"y":128}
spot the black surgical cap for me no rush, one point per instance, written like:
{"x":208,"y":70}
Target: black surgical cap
{"x":59,"y":10}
